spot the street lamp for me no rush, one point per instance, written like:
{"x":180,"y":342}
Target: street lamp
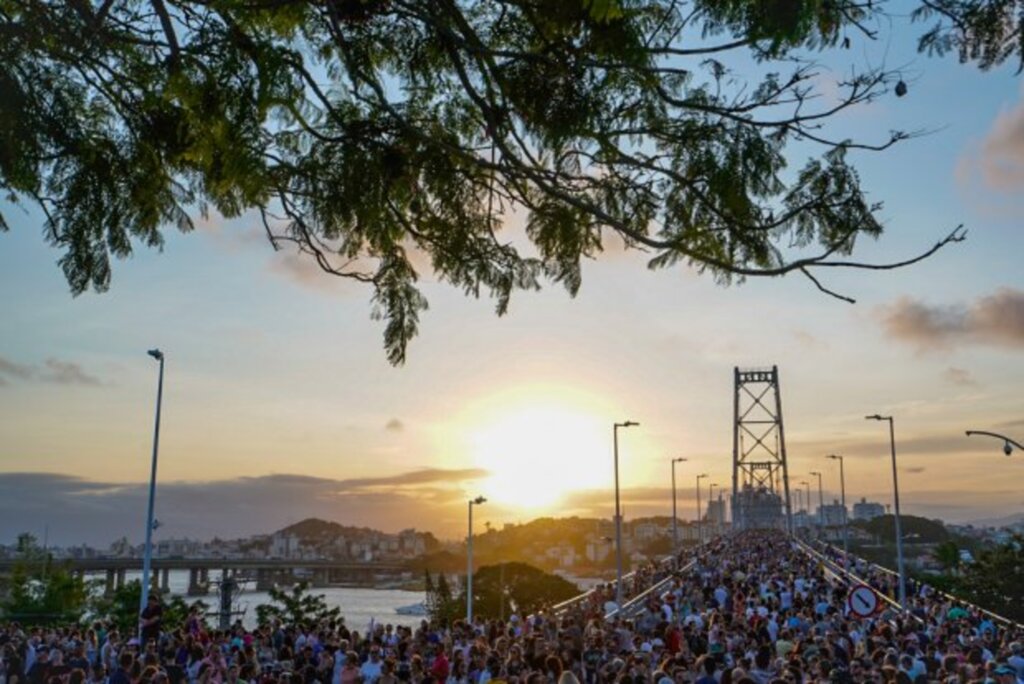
{"x":821,"y":500}
{"x":711,"y":529}
{"x":469,"y":561}
{"x":700,"y":525}
{"x":147,"y":557}
{"x":1008,"y":443}
{"x":896,"y":506}
{"x":618,"y":512}
{"x":846,"y":527}
{"x":807,"y":505}
{"x":675,"y":517}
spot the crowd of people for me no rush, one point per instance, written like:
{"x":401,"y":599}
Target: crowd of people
{"x":752,"y":608}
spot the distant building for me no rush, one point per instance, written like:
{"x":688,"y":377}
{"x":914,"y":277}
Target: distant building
{"x":647,"y":531}
{"x":833,"y":513}
{"x":598,"y":549}
{"x":122,"y":548}
{"x":284,"y":546}
{"x":803,"y":519}
{"x":716,"y":511}
{"x":166,"y":548}
{"x":867,"y":510}
{"x":757,"y":508}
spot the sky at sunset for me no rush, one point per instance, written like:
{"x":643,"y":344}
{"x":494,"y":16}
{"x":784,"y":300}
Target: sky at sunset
{"x":279,"y":402}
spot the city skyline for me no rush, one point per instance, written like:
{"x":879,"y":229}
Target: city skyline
{"x":279,"y":397}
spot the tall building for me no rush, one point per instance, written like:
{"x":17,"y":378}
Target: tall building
{"x":867,"y":510}
{"x":833,"y":513}
{"x":716,"y":511}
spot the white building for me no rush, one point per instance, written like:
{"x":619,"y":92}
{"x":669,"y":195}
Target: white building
{"x":867,"y":510}
{"x":597,"y":549}
{"x":284,"y":546}
{"x":833,"y":513}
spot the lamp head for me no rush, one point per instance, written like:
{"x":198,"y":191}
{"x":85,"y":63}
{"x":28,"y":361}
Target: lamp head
{"x":629,"y":423}
{"x":815,"y":472}
{"x":1007,"y":449}
{"x":156,"y":354}
{"x":478,"y":500}
{"x":835,"y":457}
{"x":877,"y":416}
{"x":678,"y":460}
{"x":703,"y":475}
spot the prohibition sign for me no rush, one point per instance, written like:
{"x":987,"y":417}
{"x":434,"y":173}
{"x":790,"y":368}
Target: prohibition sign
{"x":862,"y":601}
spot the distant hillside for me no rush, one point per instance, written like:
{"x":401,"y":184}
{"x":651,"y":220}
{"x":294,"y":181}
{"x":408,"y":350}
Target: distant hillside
{"x":314,"y":531}
{"x":915,"y":529}
{"x":1005,"y":521}
{"x":315,"y":528}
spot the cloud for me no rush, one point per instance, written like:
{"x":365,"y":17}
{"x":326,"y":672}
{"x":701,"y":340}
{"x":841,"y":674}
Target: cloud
{"x":11,"y":370}
{"x":960,"y":377}
{"x":954,"y":443}
{"x":808,"y":340}
{"x":1000,"y":159}
{"x":303,"y":270}
{"x":394,"y":425}
{"x":917,"y":470}
{"x":96,"y":512}
{"x":67,"y":373}
{"x":994,"y":320}
{"x":416,"y":477}
{"x":53,"y":370}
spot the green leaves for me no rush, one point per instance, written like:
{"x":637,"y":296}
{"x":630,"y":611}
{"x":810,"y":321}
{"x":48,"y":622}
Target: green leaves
{"x":603,"y":10}
{"x":380,"y":134}
{"x":296,"y":607}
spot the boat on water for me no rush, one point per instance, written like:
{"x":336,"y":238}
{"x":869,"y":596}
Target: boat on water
{"x":414,"y":609}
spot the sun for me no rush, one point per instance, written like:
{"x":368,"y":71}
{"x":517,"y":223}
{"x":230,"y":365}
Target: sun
{"x":537,"y":449}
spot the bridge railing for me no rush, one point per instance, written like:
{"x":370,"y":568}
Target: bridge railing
{"x":632,"y":607}
{"x":665,"y":563}
{"x":844,"y":575}
{"x":857,"y":561}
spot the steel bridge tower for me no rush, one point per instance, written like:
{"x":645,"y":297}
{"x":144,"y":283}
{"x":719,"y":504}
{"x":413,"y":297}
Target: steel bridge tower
{"x":760,"y":477}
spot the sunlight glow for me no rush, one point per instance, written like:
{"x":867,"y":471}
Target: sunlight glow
{"x":537,"y":450}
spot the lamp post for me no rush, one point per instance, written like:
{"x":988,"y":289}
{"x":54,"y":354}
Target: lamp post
{"x":147,"y":556}
{"x":469,"y":561}
{"x":846,"y":527}
{"x":807,"y":505}
{"x":618,"y":512}
{"x":896,"y":507}
{"x":821,"y":500}
{"x":1008,"y":443}
{"x":711,"y":529}
{"x":675,"y":517}
{"x":700,"y":525}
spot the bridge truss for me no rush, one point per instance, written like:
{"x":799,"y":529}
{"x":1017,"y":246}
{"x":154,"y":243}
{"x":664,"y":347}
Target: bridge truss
{"x":760,"y":476}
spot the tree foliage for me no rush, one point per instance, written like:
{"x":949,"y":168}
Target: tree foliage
{"x":995,"y":580}
{"x":989,"y":32}
{"x":527,"y":589}
{"x":948,"y":555}
{"x":915,"y":529}
{"x":442,"y":605}
{"x":40,"y":591}
{"x":122,"y":608}
{"x":367,"y":133}
{"x":296,"y":606}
